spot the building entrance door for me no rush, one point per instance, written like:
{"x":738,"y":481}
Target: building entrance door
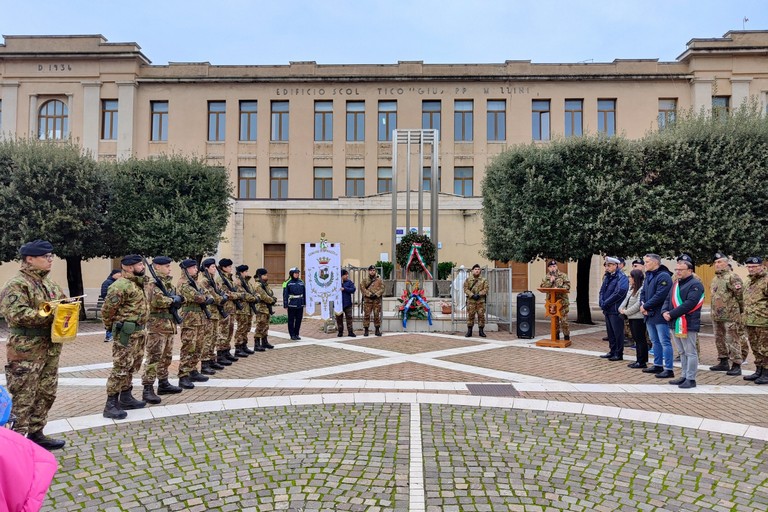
{"x":274,"y":262}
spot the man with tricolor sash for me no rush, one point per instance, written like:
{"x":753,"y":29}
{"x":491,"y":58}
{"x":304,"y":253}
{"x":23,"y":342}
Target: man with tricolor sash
{"x":682,"y":310}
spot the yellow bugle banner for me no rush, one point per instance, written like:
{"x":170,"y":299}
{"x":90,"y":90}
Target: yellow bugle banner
{"x":66,"y":319}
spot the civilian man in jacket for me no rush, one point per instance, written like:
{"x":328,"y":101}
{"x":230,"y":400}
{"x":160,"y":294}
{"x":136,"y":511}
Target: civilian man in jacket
{"x":612,"y":293}
{"x":111,"y":278}
{"x":347,"y":291}
{"x":658,"y":282}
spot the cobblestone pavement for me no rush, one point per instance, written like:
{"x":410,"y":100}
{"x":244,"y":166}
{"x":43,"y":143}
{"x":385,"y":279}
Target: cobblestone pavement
{"x":429,"y":421}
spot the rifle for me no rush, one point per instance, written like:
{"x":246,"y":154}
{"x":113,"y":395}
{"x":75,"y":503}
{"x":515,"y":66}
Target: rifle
{"x":269,"y":306}
{"x":247,"y":288}
{"x":216,"y":290}
{"x":193,"y":284}
{"x":173,"y":308}
{"x":231,"y":287}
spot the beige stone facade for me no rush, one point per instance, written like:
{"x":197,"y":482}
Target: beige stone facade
{"x":303,"y":142}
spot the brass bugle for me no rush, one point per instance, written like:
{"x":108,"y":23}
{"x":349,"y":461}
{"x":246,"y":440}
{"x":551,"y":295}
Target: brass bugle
{"x":46,"y":308}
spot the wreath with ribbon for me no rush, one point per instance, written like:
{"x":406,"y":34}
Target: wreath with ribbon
{"x":416,"y":253}
{"x":414,"y":304}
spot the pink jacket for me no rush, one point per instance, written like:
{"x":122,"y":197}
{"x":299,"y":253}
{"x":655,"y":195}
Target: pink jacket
{"x":26,"y":471}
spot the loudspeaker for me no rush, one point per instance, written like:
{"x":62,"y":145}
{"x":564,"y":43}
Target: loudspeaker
{"x":526,"y":315}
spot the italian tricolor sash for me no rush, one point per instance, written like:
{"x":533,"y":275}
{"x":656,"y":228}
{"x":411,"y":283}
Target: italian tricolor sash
{"x":416,"y":254}
{"x":681,"y":324}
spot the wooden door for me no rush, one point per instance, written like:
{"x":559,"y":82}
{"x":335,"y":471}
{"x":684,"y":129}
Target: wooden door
{"x":274,"y":262}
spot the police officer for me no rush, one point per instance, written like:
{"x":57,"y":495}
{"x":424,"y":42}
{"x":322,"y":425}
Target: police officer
{"x":756,"y":317}
{"x":197,"y":336}
{"x":125,"y":312}
{"x":557,"y":279}
{"x":294,"y":300}
{"x":372,"y":289}
{"x":32,"y":358}
{"x":476,"y":290}
{"x":727,"y":290}
{"x":267,"y":299}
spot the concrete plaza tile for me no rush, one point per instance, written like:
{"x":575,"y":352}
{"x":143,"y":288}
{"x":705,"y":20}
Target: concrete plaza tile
{"x":601,"y":410}
{"x":724,"y":427}
{"x":638,"y":415}
{"x":468,"y":400}
{"x":142,"y":414}
{"x":432,"y":398}
{"x":754,"y":432}
{"x":680,"y":421}
{"x":531,"y":404}
{"x":57,"y":427}
{"x":235,"y":404}
{"x":400,"y":398}
{"x":496,"y":401}
{"x":274,"y":401}
{"x":339,"y":398}
{"x":306,"y":399}
{"x":570,"y":407}
{"x":372,"y":398}
{"x":208,"y":406}
{"x":90,"y":421}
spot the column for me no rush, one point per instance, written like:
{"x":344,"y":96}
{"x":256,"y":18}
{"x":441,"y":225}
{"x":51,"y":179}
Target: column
{"x":702,"y":94}
{"x":739,"y":91}
{"x":32,"y":127}
{"x":91,"y":116}
{"x":126,"y":96}
{"x":10,"y":99}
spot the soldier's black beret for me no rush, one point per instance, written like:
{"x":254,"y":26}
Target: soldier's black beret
{"x":161,"y":260}
{"x":241,"y":268}
{"x":476,"y":265}
{"x":718,"y":255}
{"x":344,"y":272}
{"x":261,"y":272}
{"x":207,"y":262}
{"x":225,"y":262}
{"x":371,"y":267}
{"x":131,"y":259}
{"x":754,"y":260}
{"x":549,"y":263}
{"x":187,"y":263}
{"x":36,"y":248}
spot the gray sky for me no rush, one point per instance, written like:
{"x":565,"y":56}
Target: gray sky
{"x":383,"y":32}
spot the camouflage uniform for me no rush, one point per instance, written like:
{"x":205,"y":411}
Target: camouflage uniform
{"x":476,"y":286}
{"x":243,"y":317}
{"x":211,"y":342}
{"x":372,"y":289}
{"x":162,"y":329}
{"x":33,"y":359}
{"x":756,"y":315}
{"x":126,"y":302}
{"x":727,"y":303}
{"x":266,"y":298}
{"x":561,"y":281}
{"x":196,"y":329}
{"x":227,"y":325}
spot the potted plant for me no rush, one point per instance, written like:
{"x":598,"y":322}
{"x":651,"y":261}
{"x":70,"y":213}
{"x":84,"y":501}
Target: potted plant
{"x":387,"y":269}
{"x":446,"y":307}
{"x":444,"y":269}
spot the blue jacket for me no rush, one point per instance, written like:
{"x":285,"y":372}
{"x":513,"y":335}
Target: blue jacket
{"x":655,"y":291}
{"x":294,"y":294}
{"x":105,"y":285}
{"x":612,"y":292}
{"x":347,"y":290}
{"x":691,"y":292}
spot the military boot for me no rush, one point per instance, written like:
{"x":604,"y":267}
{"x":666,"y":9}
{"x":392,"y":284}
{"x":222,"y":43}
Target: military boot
{"x":214,"y":365}
{"x":222,"y":359}
{"x":366,"y":331}
{"x":567,"y":337}
{"x":112,"y":409}
{"x":756,"y":375}
{"x":722,"y":366}
{"x":265,"y":343}
{"x":244,"y":348}
{"x":149,"y":395}
{"x":127,"y":402}
{"x":341,"y":333}
{"x":166,"y":388}
{"x":196,"y":376}
{"x":469,"y":333}
{"x":257,"y":345}
{"x":735,"y":370}
{"x":205,"y":368}
{"x":229,"y":356}
{"x":352,"y":334}
{"x":763,"y":379}
{"x":482,"y":332}
{"x":186,"y":383}
{"x":46,"y":442}
{"x":378,"y":331}
{"x":239,"y":352}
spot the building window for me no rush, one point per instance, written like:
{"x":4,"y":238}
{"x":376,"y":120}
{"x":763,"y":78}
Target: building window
{"x":574,"y":118}
{"x":217,"y":121}
{"x":720,"y":107}
{"x":246,"y":182}
{"x":427,"y":175}
{"x":53,"y":120}
{"x":248,"y":113}
{"x":667,"y":112}
{"x":323,"y":121}
{"x":430,"y":115}
{"x":323,"y":183}
{"x":355,"y":121}
{"x":463,"y":119}
{"x":109,"y":119}
{"x":280,"y":121}
{"x":606,"y":117}
{"x":384,"y":180}
{"x":497,"y":120}
{"x":462,"y":181}
{"x":387,"y":119}
{"x":278,"y":182}
{"x":355,"y":182}
{"x":540,"y":119}
{"x":159,"y":120}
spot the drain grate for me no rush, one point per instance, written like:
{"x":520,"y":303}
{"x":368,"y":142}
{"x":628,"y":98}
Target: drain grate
{"x":492,"y":390}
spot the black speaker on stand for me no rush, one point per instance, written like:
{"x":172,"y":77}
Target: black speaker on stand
{"x":526,"y":315}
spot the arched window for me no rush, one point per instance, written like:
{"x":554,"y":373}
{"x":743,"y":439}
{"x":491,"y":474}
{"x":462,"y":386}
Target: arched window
{"x":53,"y":120}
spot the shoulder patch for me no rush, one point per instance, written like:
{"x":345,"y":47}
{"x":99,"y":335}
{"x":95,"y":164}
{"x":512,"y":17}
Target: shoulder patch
{"x":114,"y":299}
{"x":663,"y":282}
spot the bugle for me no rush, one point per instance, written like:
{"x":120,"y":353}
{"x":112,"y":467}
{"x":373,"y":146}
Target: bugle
{"x":47,"y":307}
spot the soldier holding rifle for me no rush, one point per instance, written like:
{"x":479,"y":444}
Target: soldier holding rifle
{"x":244,"y":316}
{"x":196,"y":328}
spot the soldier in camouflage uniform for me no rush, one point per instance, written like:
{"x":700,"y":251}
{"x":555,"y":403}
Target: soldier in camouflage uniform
{"x":756,"y":317}
{"x":196,"y":328}
{"x":125,"y":312}
{"x":372,"y":290}
{"x":244,"y":317}
{"x":727,"y":303}
{"x":33,"y":359}
{"x":557,"y":279}
{"x":162,"y":329}
{"x":476,"y":290}
{"x":266,"y":299}
{"x":218,"y":314}
{"x":227,"y":325}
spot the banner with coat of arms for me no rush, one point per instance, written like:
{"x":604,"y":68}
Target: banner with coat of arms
{"x":323,"y":277}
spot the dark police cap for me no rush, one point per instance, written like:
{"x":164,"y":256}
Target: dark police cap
{"x":241,"y":268}
{"x":718,"y":256}
{"x":131,"y":259}
{"x":754,"y":260}
{"x":225,"y":262}
{"x":638,"y":262}
{"x":161,"y":260}
{"x":188,"y":263}
{"x":36,"y":248}
{"x":685,"y":257}
{"x":549,"y":263}
{"x":261,"y":272}
{"x":476,"y":265}
{"x":371,"y":267}
{"x":344,"y":272}
{"x":207,"y":262}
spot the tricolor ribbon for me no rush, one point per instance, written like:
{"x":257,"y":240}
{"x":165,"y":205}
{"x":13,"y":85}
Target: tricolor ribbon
{"x":416,"y":254}
{"x":681,"y":324}
{"x":408,"y":306}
